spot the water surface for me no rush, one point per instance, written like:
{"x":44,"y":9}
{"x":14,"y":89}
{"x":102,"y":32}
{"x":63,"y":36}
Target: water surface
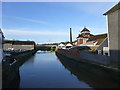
{"x":44,"y":70}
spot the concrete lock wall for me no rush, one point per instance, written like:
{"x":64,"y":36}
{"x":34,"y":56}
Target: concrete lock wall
{"x":113,"y":31}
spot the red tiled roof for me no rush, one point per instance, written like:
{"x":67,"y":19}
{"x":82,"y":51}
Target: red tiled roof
{"x":80,"y":35}
{"x":99,"y":41}
{"x":94,"y":38}
{"x":74,"y":41}
{"x":98,"y":38}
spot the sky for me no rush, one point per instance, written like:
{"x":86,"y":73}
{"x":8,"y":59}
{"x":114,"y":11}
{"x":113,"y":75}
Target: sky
{"x":49,"y":22}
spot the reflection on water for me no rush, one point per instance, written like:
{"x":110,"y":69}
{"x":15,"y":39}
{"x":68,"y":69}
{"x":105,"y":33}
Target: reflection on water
{"x":11,"y":78}
{"x":47,"y":72}
{"x":94,"y":77}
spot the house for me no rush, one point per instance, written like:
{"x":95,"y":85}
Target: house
{"x":103,"y":47}
{"x":83,"y":37}
{"x":75,"y":43}
{"x":69,"y":45}
{"x":61,"y":46}
{"x":96,"y":42}
{"x":113,"y":19}
{"x":1,"y":45}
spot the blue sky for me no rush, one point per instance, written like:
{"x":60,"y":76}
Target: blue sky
{"x":49,"y":22}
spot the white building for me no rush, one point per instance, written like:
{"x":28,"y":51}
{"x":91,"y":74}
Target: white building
{"x":1,"y":45}
{"x":83,"y":37}
{"x":69,"y":45}
{"x":113,"y":20}
{"x":61,"y":46}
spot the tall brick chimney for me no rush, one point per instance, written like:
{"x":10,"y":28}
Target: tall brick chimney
{"x":71,"y":35}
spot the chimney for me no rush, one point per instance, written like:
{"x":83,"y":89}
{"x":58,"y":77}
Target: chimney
{"x":71,"y":35}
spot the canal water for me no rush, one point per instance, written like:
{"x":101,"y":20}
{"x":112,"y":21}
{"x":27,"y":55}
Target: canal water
{"x":45,"y":70}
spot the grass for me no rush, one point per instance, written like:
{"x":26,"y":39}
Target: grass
{"x":92,"y":51}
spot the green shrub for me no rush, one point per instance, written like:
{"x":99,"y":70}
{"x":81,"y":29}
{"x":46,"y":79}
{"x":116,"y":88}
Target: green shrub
{"x":44,"y":48}
{"x":92,"y":51}
{"x":16,"y":42}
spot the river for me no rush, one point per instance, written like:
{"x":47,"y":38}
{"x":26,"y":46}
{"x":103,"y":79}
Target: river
{"x":44,"y":70}
{"x":50,"y":70}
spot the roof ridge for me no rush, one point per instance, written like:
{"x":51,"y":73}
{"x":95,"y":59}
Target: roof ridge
{"x":101,"y":34}
{"x":85,"y":29}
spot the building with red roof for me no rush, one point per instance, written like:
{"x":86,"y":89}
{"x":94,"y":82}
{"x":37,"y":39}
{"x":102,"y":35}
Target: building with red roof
{"x":85,"y":38}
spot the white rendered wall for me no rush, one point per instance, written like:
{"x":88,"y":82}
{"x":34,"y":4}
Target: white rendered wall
{"x":1,"y":55}
{"x":1,"y":48}
{"x":113,"y":30}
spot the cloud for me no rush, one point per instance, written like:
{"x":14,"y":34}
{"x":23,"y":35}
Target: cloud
{"x":28,"y":19}
{"x":36,"y":35}
{"x":18,"y":32}
{"x":48,"y":36}
{"x":32,"y":20}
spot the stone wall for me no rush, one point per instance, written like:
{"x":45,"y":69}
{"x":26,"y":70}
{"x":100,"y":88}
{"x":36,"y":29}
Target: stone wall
{"x":27,"y":47}
{"x":95,"y":58}
{"x":17,"y":47}
{"x":91,"y":74}
{"x":7,"y":46}
{"x":85,"y":56}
